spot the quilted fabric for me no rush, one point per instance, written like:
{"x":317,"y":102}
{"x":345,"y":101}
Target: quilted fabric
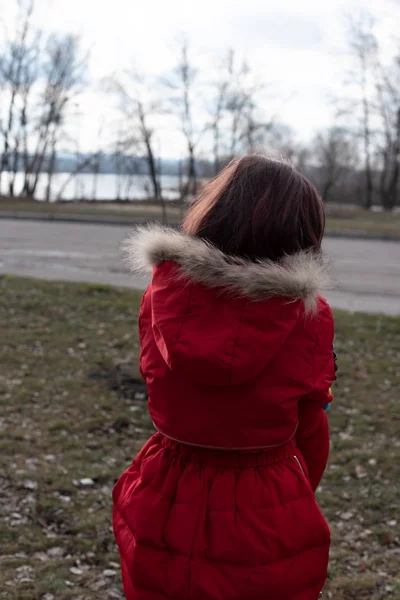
{"x":205,"y":525}
{"x":219,"y":505}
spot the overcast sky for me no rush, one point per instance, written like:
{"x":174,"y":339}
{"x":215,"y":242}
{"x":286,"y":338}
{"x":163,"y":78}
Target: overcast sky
{"x":298,"y":47}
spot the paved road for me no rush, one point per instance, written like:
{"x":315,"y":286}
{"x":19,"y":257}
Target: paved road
{"x":367,"y":272}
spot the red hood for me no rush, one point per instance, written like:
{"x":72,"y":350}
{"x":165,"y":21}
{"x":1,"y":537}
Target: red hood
{"x":219,"y":319}
{"x":215,"y":339}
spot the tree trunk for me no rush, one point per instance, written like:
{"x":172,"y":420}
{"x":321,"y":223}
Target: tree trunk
{"x":118,"y":175}
{"x":234,"y":130}
{"x":192,"y":173}
{"x":96,"y":167}
{"x":4,"y":164}
{"x":390,"y":174}
{"x":34,"y":168}
{"x":51,"y":168}
{"x":13,"y":169}
{"x":383,"y":178}
{"x":25,"y":153}
{"x":216,"y":148}
{"x":369,"y":186}
{"x":393,"y":185}
{"x":79,"y":168}
{"x":181,"y":187}
{"x":151,"y":163}
{"x":77,"y":163}
{"x":327,"y":189}
{"x":38,"y":172}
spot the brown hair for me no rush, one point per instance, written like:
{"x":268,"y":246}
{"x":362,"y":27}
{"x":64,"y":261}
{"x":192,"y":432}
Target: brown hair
{"x":258,"y":207}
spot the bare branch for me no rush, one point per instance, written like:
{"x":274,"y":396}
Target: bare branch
{"x":138,"y":109}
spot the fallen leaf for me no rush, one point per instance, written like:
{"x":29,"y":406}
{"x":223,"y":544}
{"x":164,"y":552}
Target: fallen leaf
{"x":42,"y":556}
{"x":97,"y":585}
{"x":86,"y":481}
{"x":30,"y":485}
{"x":389,"y":588}
{"x":361,"y":472}
{"x":346,"y":516}
{"x":56,"y":552}
{"x":388,"y":539}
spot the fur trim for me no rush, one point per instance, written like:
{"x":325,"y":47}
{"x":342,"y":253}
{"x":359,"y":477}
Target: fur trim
{"x":298,"y":276}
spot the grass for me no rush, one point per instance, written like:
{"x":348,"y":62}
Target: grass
{"x":339,"y":219}
{"x":72,"y":416}
{"x":363,"y":221}
{"x":102,"y":209}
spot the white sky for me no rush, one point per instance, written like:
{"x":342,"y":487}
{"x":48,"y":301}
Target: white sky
{"x":298,"y":47}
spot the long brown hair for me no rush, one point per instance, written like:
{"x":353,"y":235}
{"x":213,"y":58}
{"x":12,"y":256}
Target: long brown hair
{"x":258,"y":207}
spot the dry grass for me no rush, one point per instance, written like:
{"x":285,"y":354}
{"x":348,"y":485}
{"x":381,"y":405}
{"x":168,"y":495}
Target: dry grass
{"x":102,"y":209}
{"x":72,"y":409}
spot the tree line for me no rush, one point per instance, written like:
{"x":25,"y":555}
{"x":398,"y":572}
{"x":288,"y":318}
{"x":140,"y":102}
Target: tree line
{"x":218,"y":116}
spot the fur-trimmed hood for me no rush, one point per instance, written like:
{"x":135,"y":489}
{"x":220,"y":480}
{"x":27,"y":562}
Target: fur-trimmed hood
{"x":298,"y":276}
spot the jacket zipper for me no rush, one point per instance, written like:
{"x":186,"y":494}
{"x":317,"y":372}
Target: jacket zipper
{"x":299,"y":463}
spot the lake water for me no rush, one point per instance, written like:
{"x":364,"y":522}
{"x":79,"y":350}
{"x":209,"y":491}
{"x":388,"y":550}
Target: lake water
{"x":105,"y":187}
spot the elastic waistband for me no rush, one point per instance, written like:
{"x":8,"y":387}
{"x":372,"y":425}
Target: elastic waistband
{"x":239,"y":459}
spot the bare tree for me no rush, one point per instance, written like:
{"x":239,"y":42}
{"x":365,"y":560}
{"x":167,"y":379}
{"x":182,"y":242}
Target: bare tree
{"x":147,"y":135}
{"x":96,"y":165}
{"x":51,"y":163}
{"x":281,"y":142}
{"x":63,"y":70}
{"x":388,"y":92}
{"x":248,"y":122}
{"x":132,"y":169}
{"x":138,"y":111}
{"x":363,"y":46}
{"x":119,"y":163}
{"x":18,"y":73}
{"x":217,"y":110}
{"x":237,"y":123}
{"x":237,"y":102}
{"x":255,"y":126}
{"x":38,"y":79}
{"x":187,"y":74}
{"x":334,"y":154}
{"x":85,"y":162}
{"x":182,"y":83}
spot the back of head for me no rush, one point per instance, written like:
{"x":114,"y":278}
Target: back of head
{"x":258,"y":208}
{"x":253,"y":235}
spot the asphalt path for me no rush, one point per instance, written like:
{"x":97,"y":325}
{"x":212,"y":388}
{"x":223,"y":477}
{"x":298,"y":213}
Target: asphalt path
{"x":367,"y":272}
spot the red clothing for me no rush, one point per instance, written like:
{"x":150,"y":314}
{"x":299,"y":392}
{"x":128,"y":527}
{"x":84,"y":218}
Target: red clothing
{"x":238,"y":362}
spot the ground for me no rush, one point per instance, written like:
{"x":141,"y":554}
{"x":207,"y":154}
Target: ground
{"x":73,"y":415}
{"x":339,"y":218}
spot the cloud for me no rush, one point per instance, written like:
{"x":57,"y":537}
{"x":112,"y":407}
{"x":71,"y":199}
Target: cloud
{"x":277,"y":29}
{"x":297,"y":47}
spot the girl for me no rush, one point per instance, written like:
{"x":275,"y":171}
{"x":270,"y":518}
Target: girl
{"x":236,"y":350}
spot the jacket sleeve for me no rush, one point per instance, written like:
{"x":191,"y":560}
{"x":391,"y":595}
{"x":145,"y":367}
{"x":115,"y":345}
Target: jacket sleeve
{"x":313,"y":432}
{"x":144,"y":326}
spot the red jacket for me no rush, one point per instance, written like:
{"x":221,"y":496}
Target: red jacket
{"x":237,"y":356}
